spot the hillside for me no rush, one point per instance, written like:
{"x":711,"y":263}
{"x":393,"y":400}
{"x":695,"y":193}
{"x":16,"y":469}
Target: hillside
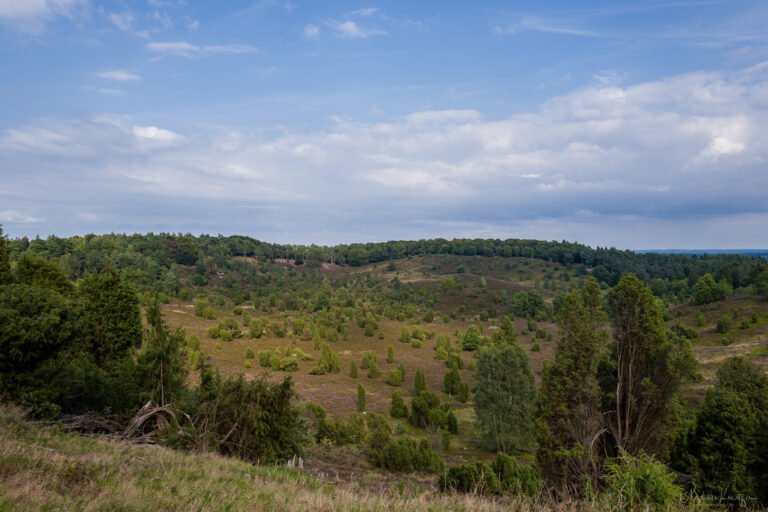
{"x":46,"y":468}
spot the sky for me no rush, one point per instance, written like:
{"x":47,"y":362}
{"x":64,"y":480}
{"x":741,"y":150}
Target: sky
{"x":629,"y":124}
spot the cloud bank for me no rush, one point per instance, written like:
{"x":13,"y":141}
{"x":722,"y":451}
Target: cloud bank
{"x":675,"y":162}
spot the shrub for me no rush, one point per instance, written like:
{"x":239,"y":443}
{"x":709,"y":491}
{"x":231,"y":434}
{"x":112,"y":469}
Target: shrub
{"x":452,"y":382}
{"x":723,"y":324}
{"x":353,"y":370}
{"x":360,"y":398}
{"x":249,"y":353}
{"x":289,"y":365}
{"x":398,"y":409}
{"x":329,"y":362}
{"x":395,"y":378}
{"x":409,"y":455}
{"x":454,"y":360}
{"x":535,"y":347}
{"x":265,"y":357}
{"x":213,"y":332}
{"x":476,"y":478}
{"x":390,"y":355}
{"x":516,"y":478}
{"x":441,"y":354}
{"x":642,"y":481}
{"x":416,"y":343}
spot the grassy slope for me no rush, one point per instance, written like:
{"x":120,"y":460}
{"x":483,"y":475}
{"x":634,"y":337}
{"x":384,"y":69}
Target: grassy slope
{"x":47,"y":469}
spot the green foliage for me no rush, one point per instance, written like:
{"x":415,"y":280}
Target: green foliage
{"x":454,"y":361}
{"x":428,"y":410}
{"x":419,"y":382}
{"x":36,"y":271}
{"x":529,"y":304}
{"x":406,"y":455}
{"x":353,"y":370}
{"x":405,"y":335}
{"x":360,"y":398}
{"x":265,"y":357}
{"x":452,"y":382}
{"x":506,"y":332}
{"x":397,"y":408}
{"x":252,"y":420}
{"x":471,"y":338}
{"x":109,"y":321}
{"x":390,"y":354}
{"x":249,"y":353}
{"x":471,"y":477}
{"x":328,"y":363}
{"x":161,"y":362}
{"x":521,"y":480}
{"x":395,"y":377}
{"x":570,"y":400}
{"x":35,"y":324}
{"x":725,"y":448}
{"x":723,"y":324}
{"x":504,"y":396}
{"x":647,"y":368}
{"x":707,"y":290}
{"x":635,"y":482}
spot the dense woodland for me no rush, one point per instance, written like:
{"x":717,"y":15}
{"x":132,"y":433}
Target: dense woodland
{"x":564,"y":372}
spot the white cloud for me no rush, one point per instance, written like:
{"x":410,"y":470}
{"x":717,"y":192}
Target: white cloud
{"x":690,"y":146}
{"x":32,"y":15}
{"x":124,"y":21}
{"x":350,"y":30}
{"x":188,"y":50}
{"x":119,"y":75}
{"x":311,"y":31}
{"x":156,"y":134}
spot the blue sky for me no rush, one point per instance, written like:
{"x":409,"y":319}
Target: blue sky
{"x":631,"y":124}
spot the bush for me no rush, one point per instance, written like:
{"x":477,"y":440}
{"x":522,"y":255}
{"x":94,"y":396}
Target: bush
{"x":249,"y":353}
{"x":640,"y":482}
{"x":723,"y":324}
{"x":535,"y":347}
{"x":416,"y":343}
{"x":476,"y":478}
{"x":353,"y":370}
{"x":360,"y":398}
{"x":395,"y":378}
{"x":516,"y":478}
{"x":408,"y":455}
{"x":398,"y":409}
{"x":265,"y":357}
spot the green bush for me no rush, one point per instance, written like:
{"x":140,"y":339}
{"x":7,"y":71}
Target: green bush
{"x":406,"y":455}
{"x":641,"y":482}
{"x":265,"y":358}
{"x":398,"y":408}
{"x":475,"y":478}
{"x":723,"y":324}
{"x":249,"y":353}
{"x":516,"y":478}
{"x":395,"y":378}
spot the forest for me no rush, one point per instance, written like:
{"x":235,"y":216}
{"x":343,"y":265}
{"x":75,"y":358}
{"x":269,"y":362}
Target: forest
{"x":550,"y":373}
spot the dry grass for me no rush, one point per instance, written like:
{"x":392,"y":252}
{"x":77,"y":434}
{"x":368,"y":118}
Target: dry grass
{"x":47,"y":469}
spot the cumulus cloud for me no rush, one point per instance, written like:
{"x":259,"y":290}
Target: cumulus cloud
{"x":188,"y":50}
{"x":602,"y":164}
